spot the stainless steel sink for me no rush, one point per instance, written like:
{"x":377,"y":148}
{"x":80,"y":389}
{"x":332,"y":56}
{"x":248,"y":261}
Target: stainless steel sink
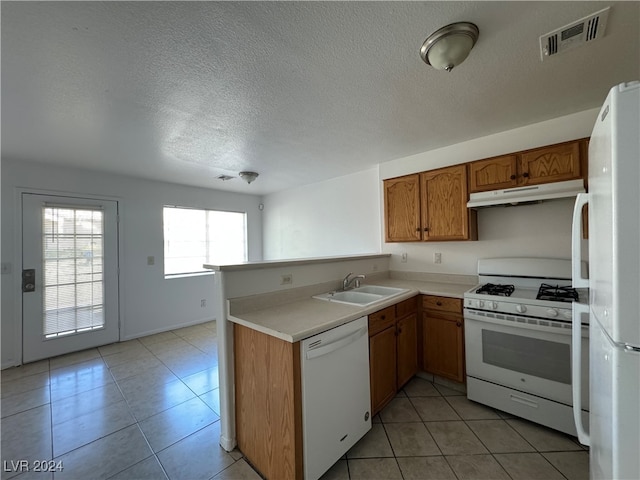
{"x":361,"y":296}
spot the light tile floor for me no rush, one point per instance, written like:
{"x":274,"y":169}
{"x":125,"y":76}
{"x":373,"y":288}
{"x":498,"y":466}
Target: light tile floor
{"x":149,"y":409}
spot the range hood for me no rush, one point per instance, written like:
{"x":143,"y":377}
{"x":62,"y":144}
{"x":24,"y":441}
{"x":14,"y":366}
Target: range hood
{"x":527,"y":193}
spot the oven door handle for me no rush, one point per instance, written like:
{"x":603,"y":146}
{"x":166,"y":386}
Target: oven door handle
{"x":576,"y":369}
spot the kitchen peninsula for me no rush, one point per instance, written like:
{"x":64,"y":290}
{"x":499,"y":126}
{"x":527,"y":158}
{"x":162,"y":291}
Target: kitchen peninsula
{"x":270,"y":303}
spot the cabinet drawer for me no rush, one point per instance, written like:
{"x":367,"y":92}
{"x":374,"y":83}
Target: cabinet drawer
{"x":381,"y":319}
{"x":444,"y":304}
{"x":406,"y":307}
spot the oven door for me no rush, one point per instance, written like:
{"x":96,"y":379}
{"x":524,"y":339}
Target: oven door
{"x":528,"y":357}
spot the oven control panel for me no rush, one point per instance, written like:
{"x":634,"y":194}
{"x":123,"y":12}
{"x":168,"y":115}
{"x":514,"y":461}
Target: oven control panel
{"x":519,"y":308}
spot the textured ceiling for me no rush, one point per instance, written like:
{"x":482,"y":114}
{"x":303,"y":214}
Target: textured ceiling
{"x":297,"y":91}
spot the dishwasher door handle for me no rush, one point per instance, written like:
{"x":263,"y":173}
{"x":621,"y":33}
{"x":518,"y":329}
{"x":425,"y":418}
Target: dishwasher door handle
{"x":333,"y":346}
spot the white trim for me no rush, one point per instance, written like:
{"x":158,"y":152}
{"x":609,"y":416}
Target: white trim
{"x":17,"y":283}
{"x":17,"y":260}
{"x":187,"y":275}
{"x":226,"y":370}
{"x":166,"y":329}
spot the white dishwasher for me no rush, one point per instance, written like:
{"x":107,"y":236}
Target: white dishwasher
{"x":335,"y":394}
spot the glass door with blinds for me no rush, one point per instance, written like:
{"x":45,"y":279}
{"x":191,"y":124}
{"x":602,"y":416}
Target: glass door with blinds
{"x":69,"y":276}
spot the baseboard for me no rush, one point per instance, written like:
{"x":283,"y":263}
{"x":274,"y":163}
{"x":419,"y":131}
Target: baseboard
{"x":165,"y":329}
{"x":227,"y":444}
{"x":450,"y":384}
{"x":12,"y":363}
{"x":9,"y":364}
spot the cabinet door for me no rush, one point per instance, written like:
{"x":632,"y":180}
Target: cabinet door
{"x":555,"y":163}
{"x":382,"y":368}
{"x":445,"y":215}
{"x":493,"y":174}
{"x":407,"y":349}
{"x":443,"y":304}
{"x":443,"y":346}
{"x":402,"y":209}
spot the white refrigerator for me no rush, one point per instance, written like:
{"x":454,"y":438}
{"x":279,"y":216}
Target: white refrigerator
{"x":614,"y":288}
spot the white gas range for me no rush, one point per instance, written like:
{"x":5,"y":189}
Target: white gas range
{"x":518,"y":339}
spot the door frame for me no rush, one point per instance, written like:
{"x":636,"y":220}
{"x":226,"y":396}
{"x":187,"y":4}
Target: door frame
{"x":17,"y":260}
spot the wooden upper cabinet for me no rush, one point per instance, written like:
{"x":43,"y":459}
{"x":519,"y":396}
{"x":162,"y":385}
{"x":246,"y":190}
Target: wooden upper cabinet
{"x":493,"y":173}
{"x":555,"y":163}
{"x":402,"y":209}
{"x":432,"y":206}
{"x":444,"y":211}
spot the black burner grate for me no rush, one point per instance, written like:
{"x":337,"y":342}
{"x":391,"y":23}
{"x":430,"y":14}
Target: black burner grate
{"x":557,"y":293}
{"x":492,"y":289}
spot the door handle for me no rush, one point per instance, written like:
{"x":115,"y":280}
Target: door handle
{"x":29,"y":280}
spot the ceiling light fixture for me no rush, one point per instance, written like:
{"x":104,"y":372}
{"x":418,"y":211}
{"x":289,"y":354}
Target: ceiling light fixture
{"x":248,"y":176}
{"x":449,"y":46}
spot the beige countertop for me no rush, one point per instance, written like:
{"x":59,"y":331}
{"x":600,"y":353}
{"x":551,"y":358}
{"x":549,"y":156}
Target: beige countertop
{"x":303,"y":318}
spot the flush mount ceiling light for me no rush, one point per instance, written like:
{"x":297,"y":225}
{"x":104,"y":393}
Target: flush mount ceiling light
{"x":248,"y":176}
{"x":449,"y":46}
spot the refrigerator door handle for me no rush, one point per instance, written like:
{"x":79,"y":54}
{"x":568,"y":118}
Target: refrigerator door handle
{"x":576,"y":369}
{"x":578,"y":280}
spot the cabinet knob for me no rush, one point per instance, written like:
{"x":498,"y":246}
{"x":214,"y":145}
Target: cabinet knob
{"x":399,"y":330}
{"x":382,"y":317}
{"x":458,"y":324}
{"x":525,"y":174}
{"x":512,"y":177}
{"x":439,"y":304}
{"x":426,"y":229}
{"x":418,"y":229}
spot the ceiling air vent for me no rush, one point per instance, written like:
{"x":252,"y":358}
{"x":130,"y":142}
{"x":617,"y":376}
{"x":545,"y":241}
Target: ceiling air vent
{"x":573,"y":35}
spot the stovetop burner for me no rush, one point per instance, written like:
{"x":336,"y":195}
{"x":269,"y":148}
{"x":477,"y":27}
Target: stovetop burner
{"x":557,"y":293}
{"x":492,"y":289}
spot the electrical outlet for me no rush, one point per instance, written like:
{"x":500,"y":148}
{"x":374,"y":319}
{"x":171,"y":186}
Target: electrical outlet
{"x":437,"y":257}
{"x":286,"y":279}
{"x":203,"y":303}
{"x":404,"y":258}
{"x":151,"y":260}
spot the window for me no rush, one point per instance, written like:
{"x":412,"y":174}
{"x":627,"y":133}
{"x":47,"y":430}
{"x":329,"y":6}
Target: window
{"x":193,"y":237}
{"x":73,"y":265}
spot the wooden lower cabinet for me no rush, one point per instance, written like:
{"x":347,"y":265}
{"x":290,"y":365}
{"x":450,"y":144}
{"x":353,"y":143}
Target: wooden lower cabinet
{"x":407,"y":349}
{"x":268,"y":391}
{"x":393,"y":351}
{"x":382,"y":368}
{"x":443,"y":337}
{"x":268,"y":403}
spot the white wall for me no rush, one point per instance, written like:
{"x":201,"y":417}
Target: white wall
{"x":266,"y":279}
{"x":542,"y":230}
{"x":149,"y":303}
{"x":561,"y":129}
{"x":338,"y":217}
{"x":334,"y":217}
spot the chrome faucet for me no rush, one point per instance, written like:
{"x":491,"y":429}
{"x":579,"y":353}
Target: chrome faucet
{"x":348,"y":280}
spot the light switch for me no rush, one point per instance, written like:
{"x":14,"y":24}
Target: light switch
{"x":151,"y":260}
